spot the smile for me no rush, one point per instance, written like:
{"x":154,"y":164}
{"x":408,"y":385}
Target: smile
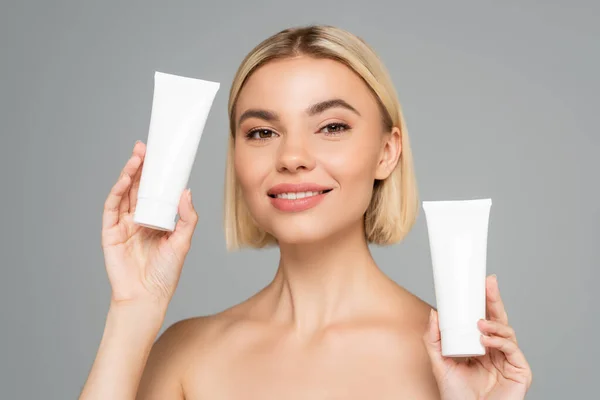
{"x":297,"y":195}
{"x":295,"y":203}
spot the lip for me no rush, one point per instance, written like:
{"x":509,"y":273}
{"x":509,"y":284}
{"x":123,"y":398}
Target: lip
{"x":296,"y":205}
{"x":296,"y":187}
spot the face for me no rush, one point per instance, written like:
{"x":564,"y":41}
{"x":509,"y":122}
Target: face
{"x":309,"y":144}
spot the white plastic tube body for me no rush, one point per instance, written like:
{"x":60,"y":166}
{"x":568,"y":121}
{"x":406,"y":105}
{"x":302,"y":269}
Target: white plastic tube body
{"x":458,"y":232}
{"x":180,"y":107}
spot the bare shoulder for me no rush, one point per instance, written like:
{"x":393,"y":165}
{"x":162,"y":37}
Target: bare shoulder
{"x":178,"y":350}
{"x":413,"y":310}
{"x":413,"y":325}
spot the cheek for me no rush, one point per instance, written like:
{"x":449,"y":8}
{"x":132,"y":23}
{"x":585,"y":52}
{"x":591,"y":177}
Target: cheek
{"x":250,"y":172}
{"x":354,"y":170}
{"x":353,"y":165}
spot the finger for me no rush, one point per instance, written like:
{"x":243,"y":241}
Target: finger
{"x":495,"y":306}
{"x":139,"y":150}
{"x":114,"y":204}
{"x":130,"y":169}
{"x":181,"y":238}
{"x":497,"y":329}
{"x":433,"y":343}
{"x":110,"y":216}
{"x":511,"y":351}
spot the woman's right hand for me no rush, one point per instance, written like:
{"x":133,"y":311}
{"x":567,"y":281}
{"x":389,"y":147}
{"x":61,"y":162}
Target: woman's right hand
{"x":143,"y":264}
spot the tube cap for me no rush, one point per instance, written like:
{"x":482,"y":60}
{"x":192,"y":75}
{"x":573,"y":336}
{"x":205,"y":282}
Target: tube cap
{"x":462,"y":343}
{"x":155,"y":214}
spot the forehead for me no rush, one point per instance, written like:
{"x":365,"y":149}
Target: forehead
{"x":294,"y":84}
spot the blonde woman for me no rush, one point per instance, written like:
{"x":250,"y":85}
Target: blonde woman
{"x":319,"y":164}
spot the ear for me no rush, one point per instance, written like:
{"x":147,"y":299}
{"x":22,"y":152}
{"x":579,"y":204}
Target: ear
{"x":390,"y":153}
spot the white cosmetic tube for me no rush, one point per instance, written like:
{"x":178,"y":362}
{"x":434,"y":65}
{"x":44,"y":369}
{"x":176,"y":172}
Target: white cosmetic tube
{"x":458,"y":232}
{"x":180,"y":107}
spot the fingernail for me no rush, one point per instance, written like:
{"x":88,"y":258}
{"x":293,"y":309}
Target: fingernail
{"x":189,"y":194}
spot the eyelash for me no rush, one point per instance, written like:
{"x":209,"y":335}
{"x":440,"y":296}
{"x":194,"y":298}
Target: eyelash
{"x":344,"y":127}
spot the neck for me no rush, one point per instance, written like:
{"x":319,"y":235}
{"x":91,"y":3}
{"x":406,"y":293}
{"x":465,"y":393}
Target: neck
{"x":318,"y":284}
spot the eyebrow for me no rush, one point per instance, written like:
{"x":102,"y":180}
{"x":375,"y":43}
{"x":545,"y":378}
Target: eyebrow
{"x":315,"y":109}
{"x":260,"y":114}
{"x":327,"y":104}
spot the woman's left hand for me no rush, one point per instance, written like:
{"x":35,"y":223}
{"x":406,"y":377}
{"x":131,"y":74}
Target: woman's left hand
{"x":502,"y":373}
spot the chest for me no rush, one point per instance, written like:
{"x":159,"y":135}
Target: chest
{"x":359,"y":373}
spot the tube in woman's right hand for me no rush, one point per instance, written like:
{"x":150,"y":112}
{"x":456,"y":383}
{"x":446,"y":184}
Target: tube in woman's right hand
{"x":458,"y":233}
{"x":180,"y":107}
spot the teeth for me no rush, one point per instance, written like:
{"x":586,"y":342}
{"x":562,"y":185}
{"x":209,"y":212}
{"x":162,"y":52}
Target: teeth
{"x":299,"y":195}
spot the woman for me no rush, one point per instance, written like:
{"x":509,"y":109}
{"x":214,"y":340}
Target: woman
{"x":318,"y":164}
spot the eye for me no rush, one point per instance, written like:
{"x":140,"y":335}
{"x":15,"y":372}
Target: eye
{"x":335,"y":128}
{"x":260,"y":134}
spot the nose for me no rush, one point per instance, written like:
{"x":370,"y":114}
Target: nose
{"x":294,"y":154}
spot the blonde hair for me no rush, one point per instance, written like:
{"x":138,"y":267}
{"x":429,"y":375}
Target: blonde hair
{"x":394,"y":204}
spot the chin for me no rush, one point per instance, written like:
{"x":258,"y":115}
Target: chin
{"x":301,"y":231}
{"x":299,"y":238}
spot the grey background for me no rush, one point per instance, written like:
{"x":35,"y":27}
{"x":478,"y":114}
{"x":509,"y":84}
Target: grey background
{"x":501,"y":100}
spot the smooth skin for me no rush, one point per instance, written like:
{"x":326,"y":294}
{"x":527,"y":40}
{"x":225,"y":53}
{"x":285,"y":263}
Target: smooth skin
{"x":331,"y":324}
{"x":143,"y":267}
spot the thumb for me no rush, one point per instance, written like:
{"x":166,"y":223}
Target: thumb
{"x":181,"y":238}
{"x":433,"y":343}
